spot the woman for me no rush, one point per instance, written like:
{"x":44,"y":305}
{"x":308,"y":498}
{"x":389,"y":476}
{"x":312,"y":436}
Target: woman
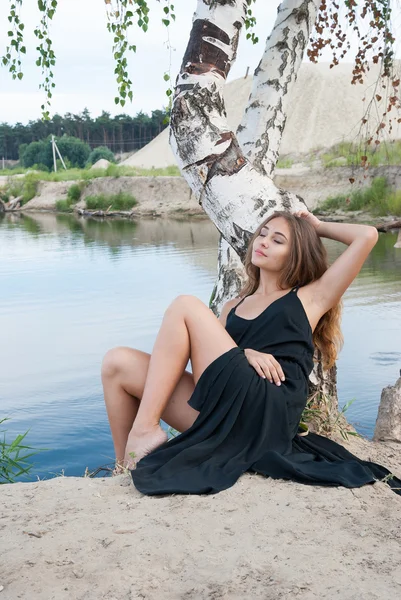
{"x":240,"y":408}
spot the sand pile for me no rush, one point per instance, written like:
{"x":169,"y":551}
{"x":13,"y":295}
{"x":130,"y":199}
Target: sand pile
{"x":324,"y":109}
{"x":100,"y":539}
{"x":102,"y":163}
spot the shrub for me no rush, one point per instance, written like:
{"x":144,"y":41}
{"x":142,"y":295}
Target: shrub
{"x":74,"y":192}
{"x":30,"y":187}
{"x":379,"y":199}
{"x":120,"y":201}
{"x":101,"y":152}
{"x":63,"y":206}
{"x":72,"y":149}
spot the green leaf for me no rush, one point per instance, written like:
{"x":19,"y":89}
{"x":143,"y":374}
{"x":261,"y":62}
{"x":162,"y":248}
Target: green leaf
{"x":20,"y":75}
{"x":166,"y":76}
{"x":166,"y":22}
{"x":116,"y":99}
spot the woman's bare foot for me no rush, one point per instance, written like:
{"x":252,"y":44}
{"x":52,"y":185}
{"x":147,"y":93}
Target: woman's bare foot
{"x":119,"y":469}
{"x":141,"y":443}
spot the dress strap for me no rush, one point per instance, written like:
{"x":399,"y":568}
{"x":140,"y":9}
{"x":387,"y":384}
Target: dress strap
{"x":240,"y":302}
{"x":295,"y":288}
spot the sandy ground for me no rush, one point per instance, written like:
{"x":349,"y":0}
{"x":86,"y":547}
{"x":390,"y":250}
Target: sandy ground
{"x":167,"y":196}
{"x":100,"y":539}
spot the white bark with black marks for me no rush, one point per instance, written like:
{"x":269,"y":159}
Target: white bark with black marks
{"x":231,"y":191}
{"x":261,"y":130}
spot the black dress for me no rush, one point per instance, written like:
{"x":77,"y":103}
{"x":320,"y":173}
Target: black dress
{"x":247,"y":423}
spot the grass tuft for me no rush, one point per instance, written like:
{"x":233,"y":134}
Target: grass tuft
{"x":120,"y":201}
{"x":379,"y":199}
{"x":349,"y":154}
{"x":14,"y":457}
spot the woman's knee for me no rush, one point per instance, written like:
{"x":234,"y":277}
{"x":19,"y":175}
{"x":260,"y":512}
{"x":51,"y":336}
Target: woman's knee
{"x":113,"y":362}
{"x":186,"y":302}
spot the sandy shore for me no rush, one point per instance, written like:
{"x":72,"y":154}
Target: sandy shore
{"x":100,"y":539}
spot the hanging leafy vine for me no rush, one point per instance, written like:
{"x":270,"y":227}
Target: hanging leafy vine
{"x":47,"y":58}
{"x":372,"y":23}
{"x":15,"y":47}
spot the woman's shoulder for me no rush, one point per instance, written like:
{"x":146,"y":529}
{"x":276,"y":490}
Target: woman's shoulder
{"x":227,"y":307}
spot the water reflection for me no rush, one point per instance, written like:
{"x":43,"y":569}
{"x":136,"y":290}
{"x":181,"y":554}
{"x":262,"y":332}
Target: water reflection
{"x":74,"y":287}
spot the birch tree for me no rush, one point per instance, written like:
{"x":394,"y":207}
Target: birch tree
{"x":231,"y":172}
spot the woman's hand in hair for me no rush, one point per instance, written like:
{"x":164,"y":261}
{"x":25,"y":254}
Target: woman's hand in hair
{"x":265,"y":365}
{"x":308,"y":216}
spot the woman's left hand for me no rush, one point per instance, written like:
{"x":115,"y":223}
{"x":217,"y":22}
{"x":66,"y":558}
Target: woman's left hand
{"x":265,"y":365}
{"x":308,"y":216}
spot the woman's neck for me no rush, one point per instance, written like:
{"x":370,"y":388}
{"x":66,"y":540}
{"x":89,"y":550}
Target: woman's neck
{"x":268,"y":284}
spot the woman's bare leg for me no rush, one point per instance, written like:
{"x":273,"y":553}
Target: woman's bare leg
{"x":124,"y":372}
{"x":189,"y":330}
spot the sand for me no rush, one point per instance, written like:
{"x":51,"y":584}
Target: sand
{"x":100,"y":539}
{"x":323,"y":110}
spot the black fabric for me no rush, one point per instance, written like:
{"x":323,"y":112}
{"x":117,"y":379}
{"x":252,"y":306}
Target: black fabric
{"x":247,"y":423}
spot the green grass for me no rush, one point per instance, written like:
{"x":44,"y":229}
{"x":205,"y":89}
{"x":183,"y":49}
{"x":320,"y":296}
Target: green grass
{"x":379,"y":199}
{"x":120,"y":201}
{"x":284,"y":163}
{"x":388,"y":153}
{"x":14,"y":457}
{"x":26,"y":187}
{"x":87,"y":174}
{"x":64,"y":205}
{"x":74,"y":194}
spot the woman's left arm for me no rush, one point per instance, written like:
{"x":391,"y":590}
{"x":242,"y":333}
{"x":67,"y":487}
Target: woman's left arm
{"x":360,"y":239}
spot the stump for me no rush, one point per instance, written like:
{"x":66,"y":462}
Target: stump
{"x":388,"y":422}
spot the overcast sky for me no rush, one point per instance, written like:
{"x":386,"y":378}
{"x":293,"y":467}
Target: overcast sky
{"x":84,"y":70}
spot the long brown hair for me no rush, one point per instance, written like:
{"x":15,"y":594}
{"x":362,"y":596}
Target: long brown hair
{"x":307,"y":262}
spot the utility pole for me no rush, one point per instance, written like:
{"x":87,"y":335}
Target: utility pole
{"x":54,"y":154}
{"x":55,"y":148}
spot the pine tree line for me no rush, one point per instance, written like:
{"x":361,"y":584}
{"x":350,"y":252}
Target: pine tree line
{"x":121,"y":133}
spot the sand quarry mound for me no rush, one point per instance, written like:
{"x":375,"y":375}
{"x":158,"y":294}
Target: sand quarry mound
{"x":324,"y":109}
{"x":99,"y":539}
{"x":102,"y":163}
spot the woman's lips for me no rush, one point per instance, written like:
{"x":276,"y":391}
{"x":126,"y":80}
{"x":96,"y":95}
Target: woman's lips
{"x":260,"y":253}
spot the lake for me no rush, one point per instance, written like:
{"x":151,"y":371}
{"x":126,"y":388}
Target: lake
{"x":71,"y":288}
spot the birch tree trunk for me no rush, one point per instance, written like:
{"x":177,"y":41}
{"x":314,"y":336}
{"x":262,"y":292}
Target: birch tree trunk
{"x":231,"y":174}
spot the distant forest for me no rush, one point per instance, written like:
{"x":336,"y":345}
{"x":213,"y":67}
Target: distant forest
{"x":121,"y":133}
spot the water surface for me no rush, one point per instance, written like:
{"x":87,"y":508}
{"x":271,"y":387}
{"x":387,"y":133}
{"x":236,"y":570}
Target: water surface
{"x":73,"y":288}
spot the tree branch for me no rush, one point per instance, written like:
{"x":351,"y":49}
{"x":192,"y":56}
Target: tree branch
{"x":260,"y":132}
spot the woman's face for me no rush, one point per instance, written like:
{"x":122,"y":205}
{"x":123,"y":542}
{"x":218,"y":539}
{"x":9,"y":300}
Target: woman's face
{"x":271,"y":248}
